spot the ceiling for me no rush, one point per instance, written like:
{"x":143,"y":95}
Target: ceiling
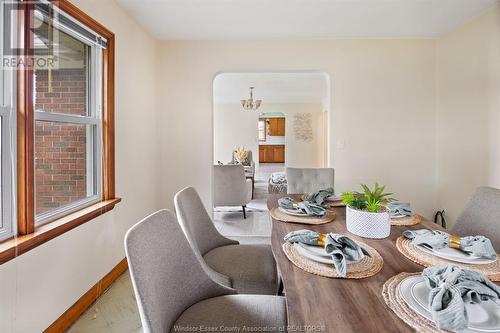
{"x":273,"y":19}
{"x":271,"y":87}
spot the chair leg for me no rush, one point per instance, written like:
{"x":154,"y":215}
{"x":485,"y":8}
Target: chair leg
{"x":281,"y":287}
{"x":244,"y":212}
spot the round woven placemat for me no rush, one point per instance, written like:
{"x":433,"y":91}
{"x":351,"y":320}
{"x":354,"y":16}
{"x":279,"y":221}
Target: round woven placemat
{"x":409,"y":220}
{"x":283,"y":217}
{"x":366,"y":267}
{"x":396,"y":303}
{"x":416,"y":254}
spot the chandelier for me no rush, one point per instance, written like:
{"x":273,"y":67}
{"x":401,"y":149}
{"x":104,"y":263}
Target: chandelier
{"x":251,"y":104}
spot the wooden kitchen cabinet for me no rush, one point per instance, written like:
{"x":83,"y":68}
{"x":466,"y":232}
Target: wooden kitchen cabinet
{"x":276,"y":126}
{"x":272,"y":154}
{"x":281,"y":127}
{"x":268,"y":155}
{"x":262,"y":154}
{"x":273,"y":126}
{"x":279,"y":154}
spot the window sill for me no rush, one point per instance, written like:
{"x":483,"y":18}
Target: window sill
{"x":14,"y":247}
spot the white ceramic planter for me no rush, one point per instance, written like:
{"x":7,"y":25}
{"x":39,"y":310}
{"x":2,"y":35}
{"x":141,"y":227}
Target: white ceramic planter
{"x":366,"y":224}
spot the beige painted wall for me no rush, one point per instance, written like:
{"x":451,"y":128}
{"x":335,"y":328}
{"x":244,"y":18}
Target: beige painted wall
{"x":298,"y":153}
{"x":383,"y":128}
{"x":468,"y":117}
{"x":39,"y":286}
{"x":383,"y":106}
{"x":234,"y":126}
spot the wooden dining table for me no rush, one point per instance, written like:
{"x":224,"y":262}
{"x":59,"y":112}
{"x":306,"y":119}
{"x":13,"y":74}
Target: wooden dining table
{"x":322,"y":304}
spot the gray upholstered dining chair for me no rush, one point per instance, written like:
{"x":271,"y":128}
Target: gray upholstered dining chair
{"x":308,"y":180}
{"x":173,"y":291}
{"x":481,"y":216}
{"x":231,"y":188}
{"x":249,"y":268}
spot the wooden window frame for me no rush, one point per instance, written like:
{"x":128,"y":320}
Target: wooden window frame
{"x":29,"y":236}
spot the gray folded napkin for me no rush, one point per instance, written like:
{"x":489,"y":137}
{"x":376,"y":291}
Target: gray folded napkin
{"x":305,"y":206}
{"x":400,"y":208}
{"x":304,"y":236}
{"x":320,"y":196}
{"x":340,"y":247}
{"x":451,"y":288}
{"x":433,"y":239}
{"x":478,"y":246}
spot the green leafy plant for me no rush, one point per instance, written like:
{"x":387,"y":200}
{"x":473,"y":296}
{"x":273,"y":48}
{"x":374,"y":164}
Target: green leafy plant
{"x":376,"y":198}
{"x":347,"y":198}
{"x":370,"y":200}
{"x":354,"y":200}
{"x":372,"y":206}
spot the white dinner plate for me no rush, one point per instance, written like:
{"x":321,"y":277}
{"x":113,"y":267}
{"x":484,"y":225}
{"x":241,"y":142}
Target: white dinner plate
{"x":293,"y":212}
{"x":483,"y":317}
{"x":315,"y":254}
{"x":310,"y":255}
{"x":457,"y":255}
{"x":316,"y":250}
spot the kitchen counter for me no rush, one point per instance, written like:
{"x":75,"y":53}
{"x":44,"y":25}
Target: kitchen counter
{"x":270,"y":144}
{"x":273,"y":140}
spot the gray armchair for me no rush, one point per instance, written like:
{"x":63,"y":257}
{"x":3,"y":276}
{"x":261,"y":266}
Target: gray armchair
{"x":249,"y":165}
{"x":249,"y":268}
{"x":173,"y":291}
{"x":231,"y":188}
{"x":308,"y":180}
{"x":481,"y":216}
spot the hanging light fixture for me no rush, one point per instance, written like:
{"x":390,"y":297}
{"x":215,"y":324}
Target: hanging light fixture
{"x":251,"y":104}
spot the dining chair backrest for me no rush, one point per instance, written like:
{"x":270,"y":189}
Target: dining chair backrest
{"x":481,"y":216}
{"x":196,"y":223}
{"x":166,"y":275}
{"x":230,"y":187}
{"x":308,"y":180}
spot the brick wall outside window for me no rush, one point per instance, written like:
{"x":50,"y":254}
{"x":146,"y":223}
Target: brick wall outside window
{"x":60,"y":148}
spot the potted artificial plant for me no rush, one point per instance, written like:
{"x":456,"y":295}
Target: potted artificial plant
{"x":241,"y":155}
{"x":366,"y":212}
